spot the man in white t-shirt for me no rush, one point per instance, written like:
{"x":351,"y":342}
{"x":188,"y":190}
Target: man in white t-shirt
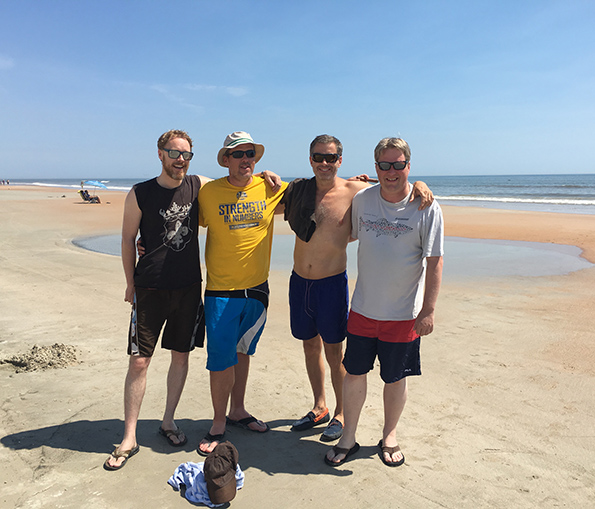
{"x":399,"y":273}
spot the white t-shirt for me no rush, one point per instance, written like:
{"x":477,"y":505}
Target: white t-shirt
{"x":394,"y":240}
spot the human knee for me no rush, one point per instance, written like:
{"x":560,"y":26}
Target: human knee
{"x":180,"y":358}
{"x":312,"y":347}
{"x":138,"y":364}
{"x":333,"y":353}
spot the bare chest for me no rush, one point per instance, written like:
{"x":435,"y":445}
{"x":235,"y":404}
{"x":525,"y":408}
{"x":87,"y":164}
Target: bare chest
{"x":333,"y":212}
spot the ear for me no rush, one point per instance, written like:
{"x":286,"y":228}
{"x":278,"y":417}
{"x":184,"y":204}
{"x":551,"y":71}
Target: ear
{"x":340,"y":161}
{"x":160,"y":154}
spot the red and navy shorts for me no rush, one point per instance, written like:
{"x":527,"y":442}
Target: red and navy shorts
{"x":394,"y":343}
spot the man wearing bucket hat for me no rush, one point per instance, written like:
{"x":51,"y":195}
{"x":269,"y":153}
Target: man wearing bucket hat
{"x":238,"y":212}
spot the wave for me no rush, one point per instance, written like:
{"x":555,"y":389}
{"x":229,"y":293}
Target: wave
{"x":513,"y":199}
{"x":73,"y":186}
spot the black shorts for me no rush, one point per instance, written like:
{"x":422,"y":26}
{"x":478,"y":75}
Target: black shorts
{"x":181,"y":310}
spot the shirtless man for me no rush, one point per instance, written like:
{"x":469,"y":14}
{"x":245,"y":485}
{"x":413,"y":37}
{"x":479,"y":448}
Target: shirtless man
{"x":319,"y":212}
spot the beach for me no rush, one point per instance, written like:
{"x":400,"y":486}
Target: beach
{"x":501,"y":417}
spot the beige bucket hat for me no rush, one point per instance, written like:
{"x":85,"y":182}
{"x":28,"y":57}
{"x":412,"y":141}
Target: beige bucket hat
{"x":235,"y":139}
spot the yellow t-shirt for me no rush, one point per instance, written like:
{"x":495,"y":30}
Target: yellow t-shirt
{"x":239,"y":222}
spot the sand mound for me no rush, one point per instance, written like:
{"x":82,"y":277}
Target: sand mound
{"x":43,"y":357}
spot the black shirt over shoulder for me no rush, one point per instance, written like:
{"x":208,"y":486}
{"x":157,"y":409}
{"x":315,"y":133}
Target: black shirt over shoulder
{"x":300,"y":203}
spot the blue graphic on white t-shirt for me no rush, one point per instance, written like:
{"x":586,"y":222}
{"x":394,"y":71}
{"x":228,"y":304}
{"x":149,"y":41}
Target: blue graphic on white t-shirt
{"x":383,"y":227}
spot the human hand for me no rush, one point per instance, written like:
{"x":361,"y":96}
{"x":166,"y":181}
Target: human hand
{"x":423,"y":191}
{"x":363,"y":178}
{"x":272,"y":179}
{"x":424,"y":323}
{"x":129,"y":294}
{"x":140,"y":247}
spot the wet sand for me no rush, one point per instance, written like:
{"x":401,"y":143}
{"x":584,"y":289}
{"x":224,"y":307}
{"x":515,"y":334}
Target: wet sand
{"x":502,"y":416}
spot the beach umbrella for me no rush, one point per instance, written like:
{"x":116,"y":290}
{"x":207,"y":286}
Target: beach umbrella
{"x":95,"y":183}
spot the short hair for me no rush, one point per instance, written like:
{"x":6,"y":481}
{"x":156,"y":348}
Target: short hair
{"x":326,"y":138}
{"x":172,"y":135}
{"x":386,"y":143}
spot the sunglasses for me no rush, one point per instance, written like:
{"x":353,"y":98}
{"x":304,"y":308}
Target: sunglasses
{"x":329,"y":158}
{"x":174,"y":154}
{"x":397,"y":165}
{"x":238,"y":154}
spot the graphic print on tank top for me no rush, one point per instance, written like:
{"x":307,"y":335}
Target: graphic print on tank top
{"x":176,"y":221}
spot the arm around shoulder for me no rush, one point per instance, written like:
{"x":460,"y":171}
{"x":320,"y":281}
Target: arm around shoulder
{"x":421,"y":189}
{"x":203,"y":180}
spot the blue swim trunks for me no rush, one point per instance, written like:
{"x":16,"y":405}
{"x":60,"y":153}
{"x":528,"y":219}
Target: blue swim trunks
{"x":319,"y":306}
{"x":235,"y":321}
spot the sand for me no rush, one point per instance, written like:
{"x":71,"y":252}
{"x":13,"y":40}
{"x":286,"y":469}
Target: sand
{"x":502,"y":416}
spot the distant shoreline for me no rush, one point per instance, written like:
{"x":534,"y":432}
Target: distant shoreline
{"x":565,"y":194}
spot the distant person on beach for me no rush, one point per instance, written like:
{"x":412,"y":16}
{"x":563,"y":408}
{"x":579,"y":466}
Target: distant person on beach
{"x":318,"y":211}
{"x":399,"y":274}
{"x":238,"y":212}
{"x":164,"y":287}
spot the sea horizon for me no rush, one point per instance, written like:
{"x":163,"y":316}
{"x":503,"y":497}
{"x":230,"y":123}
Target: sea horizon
{"x":561,"y":193}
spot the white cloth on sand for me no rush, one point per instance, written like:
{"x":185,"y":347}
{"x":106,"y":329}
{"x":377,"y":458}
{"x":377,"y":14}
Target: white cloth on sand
{"x":191,"y":476}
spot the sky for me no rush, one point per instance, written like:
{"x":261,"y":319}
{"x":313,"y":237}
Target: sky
{"x":476,"y":87}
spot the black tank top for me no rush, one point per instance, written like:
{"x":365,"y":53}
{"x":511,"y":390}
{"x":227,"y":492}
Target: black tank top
{"x":169,"y":230}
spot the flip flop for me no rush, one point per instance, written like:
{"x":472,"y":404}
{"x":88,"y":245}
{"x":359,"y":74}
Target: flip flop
{"x":168,"y":433}
{"x":120,"y":454}
{"x":210,"y":439}
{"x":310,"y":420}
{"x":243,"y":423}
{"x":391,"y":451}
{"x":341,"y":450}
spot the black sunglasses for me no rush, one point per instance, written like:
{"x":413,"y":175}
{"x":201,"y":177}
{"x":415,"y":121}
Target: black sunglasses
{"x":174,"y":154}
{"x":238,"y":154}
{"x":397,"y":165}
{"x":329,"y":158}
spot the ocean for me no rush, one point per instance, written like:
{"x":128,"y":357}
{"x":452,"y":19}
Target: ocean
{"x":574,"y":194}
{"x":550,"y":193}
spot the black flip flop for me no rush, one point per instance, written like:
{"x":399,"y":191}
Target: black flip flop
{"x":168,"y":433}
{"x":341,"y":450}
{"x":243,"y":423}
{"x":120,"y":454}
{"x":210,"y":438}
{"x":391,"y":451}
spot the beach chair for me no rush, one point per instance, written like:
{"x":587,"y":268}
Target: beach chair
{"x":88,"y":198}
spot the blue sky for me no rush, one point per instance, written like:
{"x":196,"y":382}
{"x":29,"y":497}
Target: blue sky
{"x":475,"y":87}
